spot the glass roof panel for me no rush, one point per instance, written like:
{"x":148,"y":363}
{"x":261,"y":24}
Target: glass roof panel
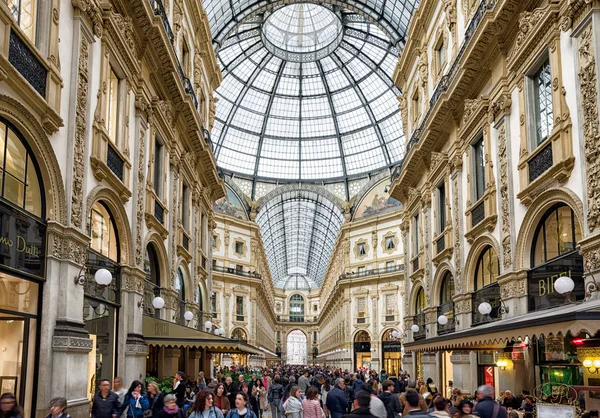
{"x":299,"y":230}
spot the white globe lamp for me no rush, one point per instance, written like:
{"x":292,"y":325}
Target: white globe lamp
{"x":414,"y":328}
{"x":208,"y":325}
{"x":395,"y":334}
{"x":103,"y":277}
{"x":484,"y":308}
{"x":188,"y":315}
{"x":158,"y":302}
{"x":564,"y":284}
{"x":442,"y":320}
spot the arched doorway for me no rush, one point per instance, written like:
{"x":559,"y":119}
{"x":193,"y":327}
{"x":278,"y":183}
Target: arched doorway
{"x":362,"y":350}
{"x":391,"y":351}
{"x":296,"y":348}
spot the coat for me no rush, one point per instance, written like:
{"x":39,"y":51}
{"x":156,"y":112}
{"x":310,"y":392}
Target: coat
{"x":214,"y":412}
{"x":391,"y":403}
{"x":262,"y":394}
{"x":312,"y":408}
{"x":360,"y":413}
{"x":157,"y":403}
{"x":292,"y":407}
{"x":275,"y":393}
{"x":131,"y":405}
{"x":485,"y":409}
{"x":337,"y":402}
{"x":105,"y":407}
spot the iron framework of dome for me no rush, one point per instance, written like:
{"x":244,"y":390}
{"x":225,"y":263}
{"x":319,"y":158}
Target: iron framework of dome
{"x":307,"y":119}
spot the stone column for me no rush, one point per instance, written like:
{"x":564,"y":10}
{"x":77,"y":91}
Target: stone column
{"x":461,"y":371}
{"x":409,"y":364}
{"x":513,"y":293}
{"x":130,"y":345}
{"x":431,"y":367}
{"x":171,"y":361}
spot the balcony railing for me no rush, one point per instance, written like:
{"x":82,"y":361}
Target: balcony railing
{"x":232,"y":270}
{"x":419,"y":319}
{"x":540,"y":163}
{"x":27,"y":64}
{"x":285,"y":318}
{"x":115,"y":162}
{"x":372,"y":272}
{"x":447,"y":309}
{"x":151,"y":290}
{"x":477,"y":214}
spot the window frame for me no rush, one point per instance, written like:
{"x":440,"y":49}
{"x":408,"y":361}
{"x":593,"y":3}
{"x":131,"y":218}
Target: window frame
{"x":158,"y":167}
{"x":116,"y":140}
{"x":38,"y":25}
{"x":478,"y":184}
{"x":416,"y":241}
{"x":479,"y":263}
{"x":185,"y":206}
{"x":541,"y":229}
{"x":532,"y":101}
{"x":441,"y":206}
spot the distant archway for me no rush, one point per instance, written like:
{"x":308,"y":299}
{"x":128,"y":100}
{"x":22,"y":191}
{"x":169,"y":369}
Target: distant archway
{"x":296,"y":348}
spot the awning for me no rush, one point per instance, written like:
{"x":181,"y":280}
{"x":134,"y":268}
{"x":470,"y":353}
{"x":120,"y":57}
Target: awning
{"x":168,"y":334}
{"x":573,"y":318}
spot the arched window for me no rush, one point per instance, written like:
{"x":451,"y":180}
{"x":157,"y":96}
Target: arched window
{"x":152,"y":283}
{"x":446,"y":307}
{"x":20,"y":182}
{"x":103,"y":232}
{"x":556,"y":234}
{"x":487,"y":269}
{"x":296,"y":308}
{"x":199,"y":298}
{"x":420,"y":302}
{"x":362,"y":337}
{"x":239,"y":334}
{"x":180,"y":288}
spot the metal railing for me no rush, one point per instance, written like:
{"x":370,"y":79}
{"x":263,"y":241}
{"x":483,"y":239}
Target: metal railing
{"x":372,"y":272}
{"x":232,"y":270}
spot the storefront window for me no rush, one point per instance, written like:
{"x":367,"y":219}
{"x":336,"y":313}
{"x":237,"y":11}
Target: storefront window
{"x":556,"y":355}
{"x":101,"y":303}
{"x":362,"y":350}
{"x":392,"y":353}
{"x":554,"y":254}
{"x":22,"y":265}
{"x":239,"y":334}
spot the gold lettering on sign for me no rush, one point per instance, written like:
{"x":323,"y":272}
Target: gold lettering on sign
{"x":546,"y":286}
{"x":161,"y":329}
{"x":22,"y":245}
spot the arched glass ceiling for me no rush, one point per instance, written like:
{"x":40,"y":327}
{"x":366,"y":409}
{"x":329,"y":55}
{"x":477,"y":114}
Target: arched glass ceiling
{"x":393,"y":16}
{"x":333,"y":118}
{"x":299,"y":230}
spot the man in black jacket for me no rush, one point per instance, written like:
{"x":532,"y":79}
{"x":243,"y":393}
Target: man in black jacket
{"x":337,"y":401}
{"x":179,"y":388}
{"x":363,"y":399}
{"x":389,"y":399}
{"x":106,"y":403}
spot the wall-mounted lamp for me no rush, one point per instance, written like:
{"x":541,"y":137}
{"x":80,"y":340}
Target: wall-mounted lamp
{"x":102,"y":277}
{"x":592,"y":366}
{"x":415,"y":328}
{"x":443,"y":320}
{"x":188,"y":316}
{"x":502,"y":364}
{"x":485,"y":308}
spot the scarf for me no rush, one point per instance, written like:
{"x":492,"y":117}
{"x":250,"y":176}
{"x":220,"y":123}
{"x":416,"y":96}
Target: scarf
{"x":171,"y":411}
{"x":292,"y":405}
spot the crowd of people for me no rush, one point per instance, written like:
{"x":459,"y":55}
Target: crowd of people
{"x":291,"y":392}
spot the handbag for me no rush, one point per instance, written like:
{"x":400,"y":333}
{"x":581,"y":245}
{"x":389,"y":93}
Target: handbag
{"x":148,"y":412}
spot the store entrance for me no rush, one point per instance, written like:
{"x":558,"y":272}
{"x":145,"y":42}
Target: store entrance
{"x":14,"y":340}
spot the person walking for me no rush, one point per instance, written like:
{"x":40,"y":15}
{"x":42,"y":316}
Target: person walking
{"x":464,"y":408}
{"x":304,"y":381}
{"x":412,"y":405}
{"x":259,"y":395}
{"x":336,"y":399}
{"x":363,"y":400}
{"x":274,"y":396}
{"x":440,"y":408}
{"x":9,"y":406}
{"x":486,"y":406}
{"x":105,"y":403}
{"x":390,"y":399}
{"x":134,"y":403}
{"x":119,"y":389}
{"x":311,"y":406}
{"x":293,"y":406}
{"x":58,"y":408}
{"x":179,"y":388}
{"x":325,"y":388}
{"x":204,"y":407}
{"x":156,"y":398}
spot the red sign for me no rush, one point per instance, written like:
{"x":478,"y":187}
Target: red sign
{"x":488,"y":372}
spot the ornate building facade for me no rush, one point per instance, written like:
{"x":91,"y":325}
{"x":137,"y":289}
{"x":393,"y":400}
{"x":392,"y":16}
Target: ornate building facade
{"x":499,"y":100}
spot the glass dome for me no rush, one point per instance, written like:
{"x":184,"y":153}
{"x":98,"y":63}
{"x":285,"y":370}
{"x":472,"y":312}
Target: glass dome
{"x":333,"y":118}
{"x":302,"y":32}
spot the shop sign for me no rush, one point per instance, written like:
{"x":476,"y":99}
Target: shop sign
{"x":22,"y":242}
{"x":392,"y":346}
{"x":542,"y":294}
{"x":488,"y":375}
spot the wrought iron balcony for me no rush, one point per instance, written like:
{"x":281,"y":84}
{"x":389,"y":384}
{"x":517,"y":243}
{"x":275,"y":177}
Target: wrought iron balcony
{"x":231,"y":270}
{"x":372,"y":272}
{"x":27,"y":64}
{"x":541,"y":162}
{"x":114,"y":162}
{"x":419,"y":319}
